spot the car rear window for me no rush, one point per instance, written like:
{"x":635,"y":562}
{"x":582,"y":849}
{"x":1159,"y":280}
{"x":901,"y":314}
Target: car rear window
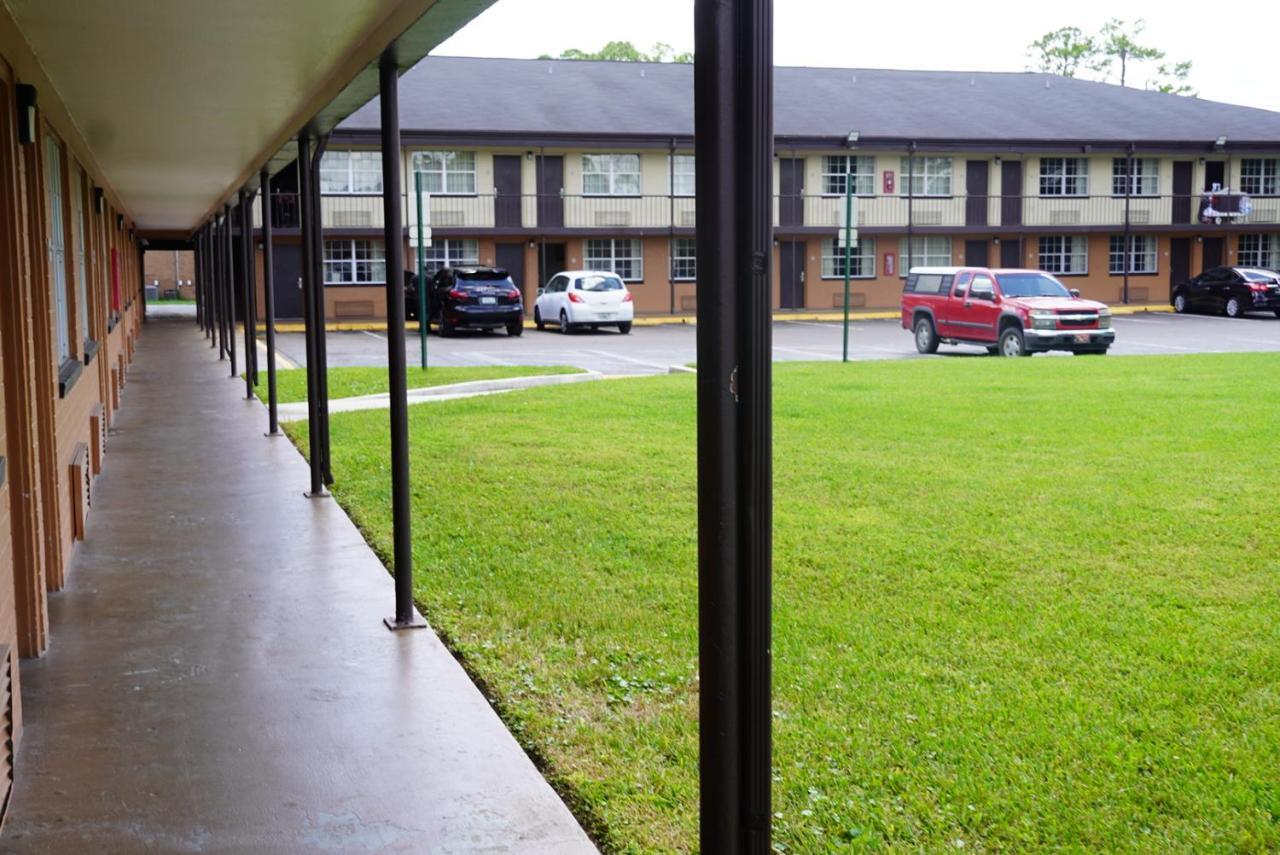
{"x":600,"y":283}
{"x":478,"y":284}
{"x":1257,"y":276}
{"x":928,"y":283}
{"x":495,"y":274}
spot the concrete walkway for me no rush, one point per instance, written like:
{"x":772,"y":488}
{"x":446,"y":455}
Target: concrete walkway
{"x":219,"y":678}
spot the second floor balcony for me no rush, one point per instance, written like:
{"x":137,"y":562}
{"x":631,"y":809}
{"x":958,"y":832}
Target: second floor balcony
{"x":806,"y":212}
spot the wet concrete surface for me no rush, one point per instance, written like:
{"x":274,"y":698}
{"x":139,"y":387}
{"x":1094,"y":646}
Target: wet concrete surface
{"x":219,"y":678}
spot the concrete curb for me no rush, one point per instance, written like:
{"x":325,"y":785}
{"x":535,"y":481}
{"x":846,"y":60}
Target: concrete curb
{"x":297,"y":411}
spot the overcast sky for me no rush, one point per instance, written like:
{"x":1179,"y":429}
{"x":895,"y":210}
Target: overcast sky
{"x":1232,"y":47}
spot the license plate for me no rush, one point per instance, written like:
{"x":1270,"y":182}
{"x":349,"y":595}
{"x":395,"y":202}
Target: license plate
{"x":606,"y":314}
{"x":1082,"y":338}
{"x":488,"y":301}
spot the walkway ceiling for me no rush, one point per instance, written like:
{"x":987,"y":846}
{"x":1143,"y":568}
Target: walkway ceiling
{"x":183,"y":101}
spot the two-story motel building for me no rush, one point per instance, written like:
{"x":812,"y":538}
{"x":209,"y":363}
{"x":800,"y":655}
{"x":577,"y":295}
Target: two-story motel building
{"x":537,"y":166}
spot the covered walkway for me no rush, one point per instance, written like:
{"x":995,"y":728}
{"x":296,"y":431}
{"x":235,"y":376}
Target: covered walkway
{"x":220,"y":678}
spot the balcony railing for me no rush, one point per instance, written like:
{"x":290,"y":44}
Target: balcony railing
{"x":605,"y":213}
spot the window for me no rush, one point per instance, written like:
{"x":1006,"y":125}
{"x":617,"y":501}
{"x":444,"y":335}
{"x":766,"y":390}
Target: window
{"x":1064,"y":176}
{"x":446,"y":172}
{"x":57,"y":249}
{"x":1260,"y":176}
{"x":684,"y":259}
{"x":862,"y":259}
{"x":351,"y":172}
{"x":837,"y":167}
{"x":1259,"y":251}
{"x":1146,"y":176}
{"x":451,"y":253}
{"x":932,"y":176}
{"x":611,"y":175}
{"x":354,"y":262}
{"x":929,"y":283}
{"x":1142,"y":254}
{"x":1064,"y":254}
{"x":925,"y":252}
{"x":961,"y":282}
{"x":683,"y":173}
{"x":621,"y":256}
{"x":78,"y":247}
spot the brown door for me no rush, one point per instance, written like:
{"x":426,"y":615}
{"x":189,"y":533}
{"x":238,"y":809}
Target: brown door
{"x":791,"y":276}
{"x":975,"y":253}
{"x":791,"y":187}
{"x":550,"y":261}
{"x":975,"y":203}
{"x":550,"y":175}
{"x":1011,"y":252}
{"x":1179,"y":263}
{"x":1011,"y":193}
{"x":506,"y":188}
{"x":1211,"y":251}
{"x":1182,"y":191}
{"x":510,"y":257}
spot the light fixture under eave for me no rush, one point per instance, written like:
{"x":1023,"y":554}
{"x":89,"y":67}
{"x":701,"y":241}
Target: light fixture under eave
{"x":852,"y":139}
{"x":1220,"y":142}
{"x":26,"y":98}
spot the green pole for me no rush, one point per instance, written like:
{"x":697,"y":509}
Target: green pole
{"x":848,"y":224}
{"x":423,"y":322}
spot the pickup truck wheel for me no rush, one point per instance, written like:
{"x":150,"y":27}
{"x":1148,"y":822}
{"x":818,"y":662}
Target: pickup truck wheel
{"x":926,"y":336}
{"x":1012,"y":343}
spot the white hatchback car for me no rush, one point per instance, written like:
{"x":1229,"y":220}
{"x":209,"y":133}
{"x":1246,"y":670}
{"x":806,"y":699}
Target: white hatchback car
{"x":584,"y":298}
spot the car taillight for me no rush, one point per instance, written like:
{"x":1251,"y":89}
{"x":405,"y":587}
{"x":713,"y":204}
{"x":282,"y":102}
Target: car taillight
{"x":514,"y":295}
{"x":626,"y":298}
{"x":1257,"y":286}
{"x":575,"y":297}
{"x":458,"y":294}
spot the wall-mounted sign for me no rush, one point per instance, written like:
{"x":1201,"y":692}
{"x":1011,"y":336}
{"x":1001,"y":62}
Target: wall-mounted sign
{"x":888,"y":181}
{"x":890,"y":264}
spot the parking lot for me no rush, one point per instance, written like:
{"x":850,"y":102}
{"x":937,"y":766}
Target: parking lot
{"x":653,"y":349}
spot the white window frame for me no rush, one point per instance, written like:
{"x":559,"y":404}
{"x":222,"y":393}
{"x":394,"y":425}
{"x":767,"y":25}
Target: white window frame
{"x":836,"y":169}
{"x":451,"y":252}
{"x":1259,"y":250}
{"x":862,"y":259}
{"x":351,"y":254}
{"x":1260,"y":176}
{"x":57,"y":249}
{"x":1146,"y":176}
{"x":1064,"y":255}
{"x":80,"y":249}
{"x":933,"y":177}
{"x":1141,"y":247}
{"x":929,"y":253}
{"x":1072,"y":182}
{"x":684,"y":259}
{"x":606,"y":254}
{"x":684,"y":172}
{"x":615,"y":170}
{"x":344,"y":165}
{"x":441,"y":169}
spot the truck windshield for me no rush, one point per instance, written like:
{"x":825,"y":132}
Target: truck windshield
{"x":1031,"y":285}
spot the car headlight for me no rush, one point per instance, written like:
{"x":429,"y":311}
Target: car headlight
{"x":1044,"y":320}
{"x":1104,"y":319}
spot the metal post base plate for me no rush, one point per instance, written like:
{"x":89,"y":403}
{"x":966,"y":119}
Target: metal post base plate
{"x":415,"y":622}
{"x":323,"y":494}
{"x":269,"y":433}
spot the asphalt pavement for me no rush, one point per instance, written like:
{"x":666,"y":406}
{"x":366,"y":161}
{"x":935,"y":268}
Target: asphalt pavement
{"x":654,"y":349}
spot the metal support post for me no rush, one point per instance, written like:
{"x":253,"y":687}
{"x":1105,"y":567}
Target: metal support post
{"x":246,"y":292}
{"x":321,"y":342}
{"x":305,"y":191}
{"x":848,"y":251}
{"x":229,"y":283}
{"x":733,"y":124}
{"x":269,"y":307}
{"x":401,"y":512}
{"x":1128,"y":234}
{"x":424,"y":323}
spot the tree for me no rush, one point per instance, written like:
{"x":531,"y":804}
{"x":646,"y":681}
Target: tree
{"x":626,"y":52}
{"x":1172,"y":79}
{"x":1063,"y":51}
{"x":1118,"y":44}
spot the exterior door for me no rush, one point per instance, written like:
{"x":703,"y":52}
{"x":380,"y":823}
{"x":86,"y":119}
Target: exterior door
{"x":975,"y":253}
{"x":1182,"y":192}
{"x":1179,"y":263}
{"x":286,"y":268}
{"x":1011,"y":193}
{"x":506,"y":189}
{"x":1211,"y":251}
{"x":791,"y":278}
{"x":510,"y":257}
{"x":1011,"y":252}
{"x":791,"y":188}
{"x":550,"y":181}
{"x":977,"y":318}
{"x":550,"y":261}
{"x":975,"y":203}
{"x":1214,"y":174}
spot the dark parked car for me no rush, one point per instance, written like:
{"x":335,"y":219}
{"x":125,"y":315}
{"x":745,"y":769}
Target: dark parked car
{"x":480,"y":298}
{"x":1230,"y":290}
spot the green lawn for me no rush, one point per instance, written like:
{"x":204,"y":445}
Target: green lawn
{"x":291,"y":384}
{"x":1019,"y":604}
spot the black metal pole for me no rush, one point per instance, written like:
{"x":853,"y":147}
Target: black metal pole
{"x":220,"y":283}
{"x":1128,"y":234}
{"x":199,"y":280}
{"x":210,"y":309}
{"x":250,"y":285}
{"x":305,"y":191}
{"x":322,"y":343}
{"x":246,"y":223}
{"x":229,"y":282}
{"x":269,"y":306}
{"x":911,"y":198}
{"x":393,"y":235}
{"x":733,"y":125}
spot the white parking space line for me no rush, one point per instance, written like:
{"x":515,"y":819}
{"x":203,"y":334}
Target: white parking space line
{"x":374,"y":335}
{"x":490,"y":359}
{"x":824,"y":354}
{"x":1127,"y":320}
{"x":620,"y":357}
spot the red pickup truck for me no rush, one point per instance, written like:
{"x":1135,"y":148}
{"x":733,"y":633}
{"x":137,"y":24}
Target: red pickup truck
{"x":1010,"y":312}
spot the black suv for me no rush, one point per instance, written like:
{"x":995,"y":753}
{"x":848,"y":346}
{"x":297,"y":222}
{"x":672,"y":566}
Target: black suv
{"x":481,"y":298}
{"x":1231,"y":290}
